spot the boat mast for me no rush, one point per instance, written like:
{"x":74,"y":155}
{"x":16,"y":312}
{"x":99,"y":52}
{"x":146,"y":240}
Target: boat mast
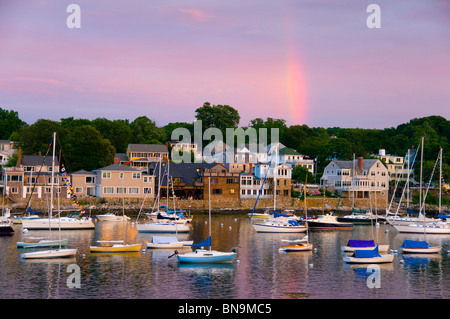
{"x":440,"y":182}
{"x":52,"y":182}
{"x":209,"y":207}
{"x":420,"y":186}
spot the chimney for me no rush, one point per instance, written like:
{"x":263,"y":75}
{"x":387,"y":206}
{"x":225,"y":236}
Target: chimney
{"x":116,"y":160}
{"x":360,"y":164}
{"x":19,"y":157}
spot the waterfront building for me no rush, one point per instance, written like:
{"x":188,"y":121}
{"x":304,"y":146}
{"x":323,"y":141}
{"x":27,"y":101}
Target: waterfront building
{"x":32,"y":177}
{"x":140,"y":155}
{"x":356,"y":178}
{"x":397,"y":165}
{"x":118,"y":181}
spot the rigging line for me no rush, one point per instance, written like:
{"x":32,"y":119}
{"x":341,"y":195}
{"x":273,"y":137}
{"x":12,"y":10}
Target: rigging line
{"x":39,"y":173}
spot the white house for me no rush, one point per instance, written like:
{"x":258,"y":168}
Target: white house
{"x":359,"y":177}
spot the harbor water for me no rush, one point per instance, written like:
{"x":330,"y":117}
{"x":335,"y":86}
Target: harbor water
{"x":260,"y":270}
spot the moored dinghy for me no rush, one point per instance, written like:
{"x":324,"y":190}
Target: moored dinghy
{"x":167,"y":242}
{"x":419,"y":247}
{"x":368,"y":257}
{"x":354,"y":244}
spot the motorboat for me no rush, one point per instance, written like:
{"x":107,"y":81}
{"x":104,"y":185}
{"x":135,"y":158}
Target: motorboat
{"x":112,"y":217}
{"x":167,"y":242}
{"x":328,"y":222}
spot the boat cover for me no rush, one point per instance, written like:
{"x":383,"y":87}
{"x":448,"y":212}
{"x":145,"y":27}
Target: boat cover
{"x":366,"y":253}
{"x":293,"y":222}
{"x":206,"y":242}
{"x":164,"y":239}
{"x":415,"y":244}
{"x":275,"y":215}
{"x":442,"y":216}
{"x":361,"y":243}
{"x":409,"y":211}
{"x":33,"y":211}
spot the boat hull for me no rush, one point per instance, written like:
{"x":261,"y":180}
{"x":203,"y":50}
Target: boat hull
{"x":162,"y":228}
{"x":6,"y":231}
{"x":430,"y":250}
{"x":382,"y":248}
{"x":262,"y":228}
{"x":45,"y":254}
{"x":372,"y":260}
{"x":178,"y":244}
{"x":116,"y":248}
{"x":318,"y":225}
{"x":112,"y":218}
{"x":297,"y":247}
{"x":42,"y":243}
{"x":201,"y":256}
{"x":421,"y":229}
{"x":65,"y":223}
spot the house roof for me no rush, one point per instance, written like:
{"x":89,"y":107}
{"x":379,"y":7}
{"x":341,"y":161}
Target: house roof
{"x":367,"y":163}
{"x":117,"y":167}
{"x":187,"y":171}
{"x":37,"y":160}
{"x":288,"y":151}
{"x":148,"y":148}
{"x":83,"y":172}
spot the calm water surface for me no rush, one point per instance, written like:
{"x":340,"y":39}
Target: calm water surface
{"x":260,"y":271}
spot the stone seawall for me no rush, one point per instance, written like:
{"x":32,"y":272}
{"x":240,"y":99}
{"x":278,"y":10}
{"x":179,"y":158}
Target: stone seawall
{"x":315,"y":205}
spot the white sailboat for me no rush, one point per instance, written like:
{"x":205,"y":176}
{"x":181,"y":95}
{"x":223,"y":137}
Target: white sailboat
{"x":419,"y":247}
{"x":424,"y":226}
{"x":278,"y":224}
{"x":203,"y":255}
{"x":111,"y":217}
{"x":300,"y":244}
{"x":54,"y":253}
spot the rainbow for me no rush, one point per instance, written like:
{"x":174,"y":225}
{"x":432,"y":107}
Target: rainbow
{"x":295,"y":82}
{"x":296,"y":91}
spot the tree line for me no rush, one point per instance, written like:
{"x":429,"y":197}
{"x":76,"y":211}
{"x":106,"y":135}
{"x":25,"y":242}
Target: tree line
{"x":91,"y":144}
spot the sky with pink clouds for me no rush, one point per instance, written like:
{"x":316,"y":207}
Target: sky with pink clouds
{"x":312,"y":62}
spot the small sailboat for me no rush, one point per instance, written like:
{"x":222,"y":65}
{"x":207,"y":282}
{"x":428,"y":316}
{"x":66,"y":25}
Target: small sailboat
{"x":167,"y":242}
{"x":368,"y":257}
{"x":419,"y":247}
{"x":203,"y":255}
{"x":114,"y":246}
{"x":59,"y":252}
{"x":41,"y":243}
{"x":355,"y":244}
{"x":297,"y":245}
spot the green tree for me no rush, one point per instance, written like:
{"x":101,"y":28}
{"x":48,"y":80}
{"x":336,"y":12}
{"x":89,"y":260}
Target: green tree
{"x":145,"y":131}
{"x":37,"y":137}
{"x":299,"y":174}
{"x":219,"y":116}
{"x":9,"y":123}
{"x":118,"y":132}
{"x":85,"y":148}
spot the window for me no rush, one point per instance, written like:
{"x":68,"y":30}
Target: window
{"x":214,"y":180}
{"x":121,"y":190}
{"x":136,"y":175}
{"x":106,"y":174}
{"x":134,"y":190}
{"x":14,"y":178}
{"x":147,"y":190}
{"x":108,"y":190}
{"x":232,"y":180}
{"x":90,"y":180}
{"x":217,"y":191}
{"x":78,"y":190}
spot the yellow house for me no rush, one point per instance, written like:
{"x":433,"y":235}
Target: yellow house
{"x":140,"y":155}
